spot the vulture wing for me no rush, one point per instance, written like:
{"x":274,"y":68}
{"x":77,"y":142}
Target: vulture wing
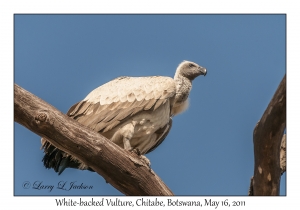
{"x":112,"y":103}
{"x":163,"y":132}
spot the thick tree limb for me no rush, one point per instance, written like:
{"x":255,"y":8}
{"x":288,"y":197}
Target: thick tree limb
{"x":267,"y":138}
{"x":283,"y":154}
{"x":122,"y":169}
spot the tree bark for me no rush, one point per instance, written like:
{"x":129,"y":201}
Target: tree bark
{"x":122,"y":169}
{"x":267,"y":138}
{"x":283,"y":155}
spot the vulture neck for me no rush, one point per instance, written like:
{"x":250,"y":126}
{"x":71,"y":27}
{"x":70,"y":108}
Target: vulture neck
{"x":183,"y":88}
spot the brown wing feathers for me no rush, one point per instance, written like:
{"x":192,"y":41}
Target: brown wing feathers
{"x":121,"y":98}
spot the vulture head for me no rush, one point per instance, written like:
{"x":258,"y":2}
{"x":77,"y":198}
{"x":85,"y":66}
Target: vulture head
{"x":189,"y":70}
{"x":186,"y":72}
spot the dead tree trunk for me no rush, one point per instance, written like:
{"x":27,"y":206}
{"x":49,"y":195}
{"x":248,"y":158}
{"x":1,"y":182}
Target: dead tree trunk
{"x":122,"y":169}
{"x":267,"y":138}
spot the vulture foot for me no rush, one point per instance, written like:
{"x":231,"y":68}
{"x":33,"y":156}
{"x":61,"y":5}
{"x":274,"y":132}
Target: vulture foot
{"x":143,"y":158}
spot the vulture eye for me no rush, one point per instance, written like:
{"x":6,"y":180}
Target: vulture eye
{"x":191,"y":65}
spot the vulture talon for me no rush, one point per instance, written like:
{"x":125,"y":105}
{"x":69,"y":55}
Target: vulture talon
{"x":136,"y":151}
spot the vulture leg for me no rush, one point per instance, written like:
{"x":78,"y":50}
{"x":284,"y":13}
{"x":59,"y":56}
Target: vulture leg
{"x":123,"y":136}
{"x":126,"y":143}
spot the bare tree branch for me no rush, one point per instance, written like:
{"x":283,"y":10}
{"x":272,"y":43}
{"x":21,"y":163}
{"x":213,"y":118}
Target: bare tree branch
{"x":282,"y":162}
{"x":267,"y":138}
{"x":250,"y":191}
{"x":283,"y":154}
{"x":122,"y":169}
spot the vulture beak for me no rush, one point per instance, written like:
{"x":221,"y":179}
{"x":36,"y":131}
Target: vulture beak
{"x":202,"y":70}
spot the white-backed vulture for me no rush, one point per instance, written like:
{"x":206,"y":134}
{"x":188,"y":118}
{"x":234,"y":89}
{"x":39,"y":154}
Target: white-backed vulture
{"x":133,"y":112}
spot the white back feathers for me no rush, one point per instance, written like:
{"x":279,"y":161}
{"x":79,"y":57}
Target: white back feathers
{"x":133,"y":112}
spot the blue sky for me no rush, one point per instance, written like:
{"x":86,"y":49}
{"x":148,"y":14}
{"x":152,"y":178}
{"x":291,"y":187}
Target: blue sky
{"x":209,"y":150}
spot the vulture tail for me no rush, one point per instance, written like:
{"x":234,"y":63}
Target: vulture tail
{"x":57,"y":159}
{"x":63,"y":165}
